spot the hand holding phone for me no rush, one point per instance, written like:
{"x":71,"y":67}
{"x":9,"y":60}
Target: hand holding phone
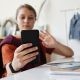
{"x":31,"y":36}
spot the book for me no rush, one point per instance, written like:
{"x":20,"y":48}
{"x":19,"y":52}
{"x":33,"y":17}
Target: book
{"x":66,"y":65}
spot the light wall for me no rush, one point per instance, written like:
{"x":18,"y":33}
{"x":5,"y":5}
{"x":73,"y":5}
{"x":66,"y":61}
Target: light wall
{"x":8,"y":7}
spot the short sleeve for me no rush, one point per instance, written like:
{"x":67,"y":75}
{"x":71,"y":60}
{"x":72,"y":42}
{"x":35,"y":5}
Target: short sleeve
{"x":7,"y":53}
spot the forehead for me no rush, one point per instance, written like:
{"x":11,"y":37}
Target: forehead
{"x":25,"y":11}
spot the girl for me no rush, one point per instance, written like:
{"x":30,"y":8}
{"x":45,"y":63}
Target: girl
{"x":15,"y":55}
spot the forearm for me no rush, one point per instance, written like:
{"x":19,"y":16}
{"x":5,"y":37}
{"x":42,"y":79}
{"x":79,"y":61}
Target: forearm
{"x":63,"y":50}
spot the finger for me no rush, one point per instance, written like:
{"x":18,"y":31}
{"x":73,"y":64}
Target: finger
{"x":26,"y":51}
{"x":22,"y":47}
{"x":46,"y":38}
{"x":42,"y":34}
{"x":28,"y":56}
{"x":28,"y":60}
{"x":46,"y":33}
{"x":40,"y":37}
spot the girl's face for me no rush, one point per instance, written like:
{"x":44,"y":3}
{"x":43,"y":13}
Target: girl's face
{"x":25,"y":19}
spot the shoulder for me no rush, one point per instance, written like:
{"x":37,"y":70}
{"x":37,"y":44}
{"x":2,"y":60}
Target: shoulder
{"x":10,"y":40}
{"x":7,"y":40}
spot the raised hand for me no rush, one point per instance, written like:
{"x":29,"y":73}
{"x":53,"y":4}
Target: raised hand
{"x":47,"y":40}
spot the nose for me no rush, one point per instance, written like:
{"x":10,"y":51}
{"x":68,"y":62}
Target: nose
{"x":26,"y":20}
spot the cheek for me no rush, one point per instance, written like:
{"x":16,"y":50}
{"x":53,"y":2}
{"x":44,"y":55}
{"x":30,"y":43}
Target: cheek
{"x":19,"y":22}
{"x":33,"y":22}
{"x":19,"y":25}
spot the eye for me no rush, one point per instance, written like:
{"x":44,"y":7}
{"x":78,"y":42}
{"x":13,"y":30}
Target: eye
{"x":30,"y":18}
{"x":22,"y":17}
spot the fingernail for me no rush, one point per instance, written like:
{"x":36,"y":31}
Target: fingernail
{"x":36,"y":47}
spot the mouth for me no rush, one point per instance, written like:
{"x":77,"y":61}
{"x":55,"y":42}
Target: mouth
{"x":26,"y":27}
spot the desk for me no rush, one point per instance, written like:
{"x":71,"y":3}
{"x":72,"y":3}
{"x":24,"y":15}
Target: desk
{"x":41,"y":73}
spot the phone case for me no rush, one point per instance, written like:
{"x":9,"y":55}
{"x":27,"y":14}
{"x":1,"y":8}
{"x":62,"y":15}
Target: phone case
{"x":30,"y":36}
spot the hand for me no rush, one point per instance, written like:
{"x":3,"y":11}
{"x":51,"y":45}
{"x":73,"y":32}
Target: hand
{"x":21,"y":56}
{"x":47,"y":40}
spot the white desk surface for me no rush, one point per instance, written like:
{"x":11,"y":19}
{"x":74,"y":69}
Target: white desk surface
{"x":41,"y":73}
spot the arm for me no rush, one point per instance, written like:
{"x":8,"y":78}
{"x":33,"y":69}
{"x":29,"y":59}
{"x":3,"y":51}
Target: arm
{"x":63,"y":50}
{"x":50,"y":42}
{"x":7,"y":56}
{"x":20,"y":59}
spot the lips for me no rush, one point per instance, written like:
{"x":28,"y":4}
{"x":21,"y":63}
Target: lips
{"x":26,"y":27}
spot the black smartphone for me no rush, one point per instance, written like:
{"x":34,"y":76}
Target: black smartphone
{"x":30,"y":36}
